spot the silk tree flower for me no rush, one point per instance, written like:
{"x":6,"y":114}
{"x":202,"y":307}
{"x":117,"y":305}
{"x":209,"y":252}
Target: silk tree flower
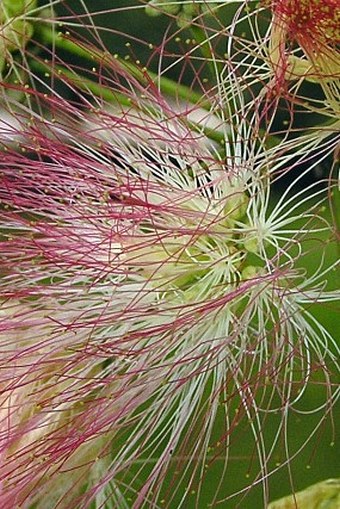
{"x":304,"y":44}
{"x":154,"y":300}
{"x":281,"y":47}
{"x":315,"y":27}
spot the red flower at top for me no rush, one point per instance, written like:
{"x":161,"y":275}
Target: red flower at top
{"x":310,"y":22}
{"x":312,"y":26}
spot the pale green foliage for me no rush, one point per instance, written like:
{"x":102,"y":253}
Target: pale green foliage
{"x":185,"y":11}
{"x":323,"y":495}
{"x":15,"y":30}
{"x":11,"y":8}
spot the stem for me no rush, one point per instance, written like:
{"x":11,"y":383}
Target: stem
{"x":100,"y":91}
{"x":167,"y":85}
{"x":85,"y":84}
{"x":204,"y":45}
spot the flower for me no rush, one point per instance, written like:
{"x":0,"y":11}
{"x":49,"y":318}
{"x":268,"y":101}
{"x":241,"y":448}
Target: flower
{"x":154,"y":301}
{"x":314,"y":26}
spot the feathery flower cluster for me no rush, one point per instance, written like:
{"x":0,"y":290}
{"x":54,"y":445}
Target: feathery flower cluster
{"x":314,"y":26}
{"x":154,"y":302}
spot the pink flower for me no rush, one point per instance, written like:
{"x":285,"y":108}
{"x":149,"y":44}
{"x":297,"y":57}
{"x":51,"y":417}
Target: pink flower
{"x":313,"y":26}
{"x":154,"y":303}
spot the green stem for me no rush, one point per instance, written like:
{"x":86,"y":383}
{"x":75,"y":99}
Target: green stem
{"x":204,"y":45}
{"x":167,"y":85}
{"x":102,"y":92}
{"x":85,"y":84}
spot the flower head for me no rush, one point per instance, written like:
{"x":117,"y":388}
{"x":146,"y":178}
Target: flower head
{"x":313,"y":25}
{"x":154,"y":301}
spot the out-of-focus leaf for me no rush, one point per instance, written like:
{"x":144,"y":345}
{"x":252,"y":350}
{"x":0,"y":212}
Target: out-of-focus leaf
{"x":323,"y":495}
